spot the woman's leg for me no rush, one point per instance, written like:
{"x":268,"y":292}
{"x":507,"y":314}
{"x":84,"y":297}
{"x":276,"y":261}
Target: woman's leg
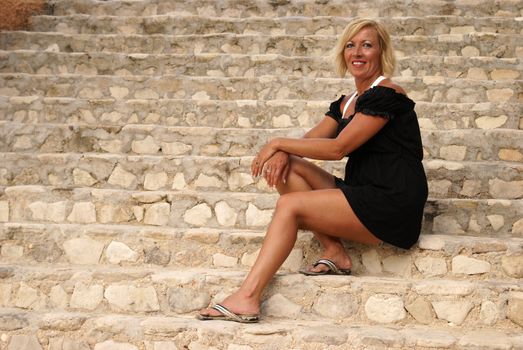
{"x":325,"y":210}
{"x":306,"y":176}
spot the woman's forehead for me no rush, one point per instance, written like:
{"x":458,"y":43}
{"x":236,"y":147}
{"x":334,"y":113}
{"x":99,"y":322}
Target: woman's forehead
{"x":366,"y":33}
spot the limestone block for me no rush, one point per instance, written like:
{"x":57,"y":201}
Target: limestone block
{"x":421,"y":339}
{"x":257,"y":217}
{"x":112,"y":345}
{"x":145,"y":146}
{"x":244,"y":122}
{"x":454,"y":312}
{"x":294,"y":260}
{"x":155,"y":181}
{"x":58,"y":297}
{"x":67,"y":344}
{"x":11,"y":322}
{"x":119,"y":92}
{"x":179,"y":182}
{"x":248,"y":259}
{"x":22,"y":143}
{"x":499,"y":95}
{"x":421,"y":310}
{"x":113,"y":117}
{"x":504,"y":74}
{"x":280,"y":306}
{"x":86,"y":297}
{"x":225,"y":215}
{"x":488,"y":123}
{"x":157,"y":214}
{"x":157,"y":256}
{"x":5,"y":294}
{"x":122,"y":178}
{"x":175,"y":148}
{"x":515,"y":308}
{"x":517,"y":228}
{"x":239,"y":347}
{"x":513,"y":265}
{"x":485,"y":339}
{"x":471,"y":188}
{"x":430,"y":266}
{"x":83,"y":178}
{"x":4,"y":211}
{"x":371,"y":261}
{"x":84,"y":251}
{"x":12,"y":251}
{"x":489,"y":312}
{"x":24,"y":342}
{"x":207,"y":181}
{"x":138,"y":212}
{"x":160,"y":345}
{"x":506,"y":189}
{"x":26,"y":297}
{"x":54,"y":212}
{"x":83,"y":213}
{"x":496,"y":221}
{"x":184,"y":300}
{"x":477,"y":73}
{"x":198,"y":215}
{"x":131,"y":298}
{"x":238,"y":181}
{"x":117,"y":252}
{"x":453,"y":152}
{"x":146,"y":94}
{"x":446,"y":225}
{"x":469,"y":266}
{"x":111,"y":146}
{"x":470,"y":51}
{"x":431,"y":242}
{"x":439,"y":188}
{"x":201,"y":95}
{"x":338,"y":306}
{"x":510,"y":155}
{"x":399,"y":265}
{"x":222,"y":260}
{"x":429,"y":287}
{"x":385,"y":308}
{"x":282,"y":121}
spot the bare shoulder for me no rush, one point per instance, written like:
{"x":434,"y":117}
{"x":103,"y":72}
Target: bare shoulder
{"x":390,"y":84}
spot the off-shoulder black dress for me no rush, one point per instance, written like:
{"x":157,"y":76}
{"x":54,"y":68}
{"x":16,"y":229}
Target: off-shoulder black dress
{"x":385,"y":183}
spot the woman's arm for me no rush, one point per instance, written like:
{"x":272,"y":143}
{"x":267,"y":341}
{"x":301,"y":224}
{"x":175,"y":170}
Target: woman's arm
{"x":361,"y":128}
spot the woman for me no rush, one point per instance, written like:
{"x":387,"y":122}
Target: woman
{"x":382,"y":196}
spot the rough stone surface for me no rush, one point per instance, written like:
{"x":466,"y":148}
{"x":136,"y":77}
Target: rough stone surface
{"x":198,"y":215}
{"x":131,"y":298}
{"x":112,"y":345}
{"x":469,"y":266}
{"x":156,"y":255}
{"x":513,"y":265}
{"x":83,"y":251}
{"x":399,"y":265}
{"x":430,"y":266}
{"x":183,"y":300}
{"x":454,"y":312}
{"x":338,"y":306}
{"x":117,"y":252}
{"x":489,"y":312}
{"x":385,"y":308}
{"x":157,"y":214}
{"x":371,"y":261}
{"x":515,"y":308}
{"x":155,"y":181}
{"x":27,"y":297}
{"x":83,"y":213}
{"x":257,"y":217}
{"x":4,"y":211}
{"x":86,"y":297}
{"x":54,"y":212}
{"x":421,"y":310}
{"x":280,"y":306}
{"x":121,"y":177}
{"x":224,"y":260}
{"x":485,"y":339}
{"x":25,"y":342}
{"x":225,"y":215}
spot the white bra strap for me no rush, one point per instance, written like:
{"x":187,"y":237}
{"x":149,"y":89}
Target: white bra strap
{"x":375,"y":83}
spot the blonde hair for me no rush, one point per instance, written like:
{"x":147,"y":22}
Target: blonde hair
{"x":388,"y":61}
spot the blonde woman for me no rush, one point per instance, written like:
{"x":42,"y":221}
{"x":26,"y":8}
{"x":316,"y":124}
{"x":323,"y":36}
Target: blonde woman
{"x":383,"y":193}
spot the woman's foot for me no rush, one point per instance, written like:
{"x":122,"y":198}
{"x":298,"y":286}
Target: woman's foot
{"x":236,"y":303}
{"x":338,"y":257}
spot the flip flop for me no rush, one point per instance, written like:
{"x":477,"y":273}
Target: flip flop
{"x":333,"y":269}
{"x":228,"y":315}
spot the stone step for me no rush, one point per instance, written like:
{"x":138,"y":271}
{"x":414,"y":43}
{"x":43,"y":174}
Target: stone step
{"x":234,"y":65}
{"x":468,"y":45}
{"x":446,"y":179}
{"x":241,"y":9}
{"x":454,"y":145}
{"x":295,"y":25}
{"x":63,"y":245}
{"x":156,"y":291}
{"x":209,"y":209}
{"x":81,"y":330}
{"x":238,"y":114}
{"x":428,"y":88}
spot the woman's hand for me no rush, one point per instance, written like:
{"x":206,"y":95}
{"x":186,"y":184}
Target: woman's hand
{"x":277,"y":168}
{"x":262,"y":157}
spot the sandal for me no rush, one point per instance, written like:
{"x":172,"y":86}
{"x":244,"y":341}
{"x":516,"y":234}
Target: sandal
{"x":333,"y":269}
{"x":228,"y":315}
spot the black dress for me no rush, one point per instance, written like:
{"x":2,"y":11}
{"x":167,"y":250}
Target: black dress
{"x":385,"y":183}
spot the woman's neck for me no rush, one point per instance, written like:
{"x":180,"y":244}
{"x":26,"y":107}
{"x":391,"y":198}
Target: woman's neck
{"x":365,"y":84}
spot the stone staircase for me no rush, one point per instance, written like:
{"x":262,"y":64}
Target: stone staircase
{"x":127,"y":128}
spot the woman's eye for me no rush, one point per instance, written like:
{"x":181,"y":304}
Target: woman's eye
{"x":367,"y":45}
{"x":349,"y":45}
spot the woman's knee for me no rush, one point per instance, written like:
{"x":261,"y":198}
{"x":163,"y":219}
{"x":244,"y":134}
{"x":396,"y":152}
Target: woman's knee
{"x":287,"y":204}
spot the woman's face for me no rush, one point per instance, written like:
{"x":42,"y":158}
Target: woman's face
{"x":362,"y":54}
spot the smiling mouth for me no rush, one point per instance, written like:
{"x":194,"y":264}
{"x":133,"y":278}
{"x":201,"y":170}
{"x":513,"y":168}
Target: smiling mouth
{"x":358,"y":63}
